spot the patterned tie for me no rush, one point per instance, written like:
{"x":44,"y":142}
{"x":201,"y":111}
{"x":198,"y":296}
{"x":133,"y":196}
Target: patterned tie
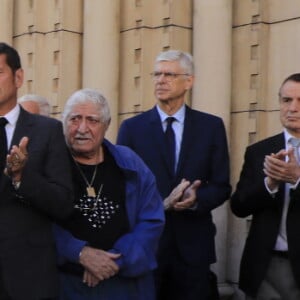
{"x":3,"y":144}
{"x":170,"y":140}
{"x":295,"y":144}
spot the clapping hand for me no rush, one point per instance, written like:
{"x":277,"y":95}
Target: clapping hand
{"x":16,"y":160}
{"x":183,"y":196}
{"x":189,"y":197}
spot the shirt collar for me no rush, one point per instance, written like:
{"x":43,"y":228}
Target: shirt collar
{"x":13,"y":115}
{"x":179,"y":115}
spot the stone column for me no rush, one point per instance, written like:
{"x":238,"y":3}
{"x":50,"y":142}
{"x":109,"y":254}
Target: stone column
{"x":101,"y":53}
{"x":6,"y":21}
{"x":212,"y":30}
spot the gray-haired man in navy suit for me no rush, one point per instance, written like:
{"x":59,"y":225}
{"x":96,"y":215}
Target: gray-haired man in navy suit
{"x":193,"y":184}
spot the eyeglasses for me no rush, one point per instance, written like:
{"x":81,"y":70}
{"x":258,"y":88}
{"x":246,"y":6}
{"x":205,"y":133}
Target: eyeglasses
{"x":169,"y":76}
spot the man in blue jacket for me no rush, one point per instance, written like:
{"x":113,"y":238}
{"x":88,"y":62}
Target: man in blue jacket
{"x":107,"y":247}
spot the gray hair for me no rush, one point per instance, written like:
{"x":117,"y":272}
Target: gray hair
{"x":84,"y":96}
{"x":43,"y":103}
{"x":185,"y":59}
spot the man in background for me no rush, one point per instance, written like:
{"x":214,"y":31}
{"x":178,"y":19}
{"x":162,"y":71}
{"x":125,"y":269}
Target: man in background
{"x":187,"y":152}
{"x":35,"y":104}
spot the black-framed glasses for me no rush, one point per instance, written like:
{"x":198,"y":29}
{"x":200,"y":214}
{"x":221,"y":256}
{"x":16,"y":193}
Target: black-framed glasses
{"x":169,"y":76}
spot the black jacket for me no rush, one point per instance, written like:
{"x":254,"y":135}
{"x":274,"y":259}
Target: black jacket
{"x":252,"y":198}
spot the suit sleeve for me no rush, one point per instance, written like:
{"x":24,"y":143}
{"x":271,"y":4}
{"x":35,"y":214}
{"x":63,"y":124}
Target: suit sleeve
{"x":46,"y":179}
{"x":216,"y":188}
{"x":138,"y":247}
{"x":123,"y":137}
{"x":67,"y":246}
{"x":251,"y":195}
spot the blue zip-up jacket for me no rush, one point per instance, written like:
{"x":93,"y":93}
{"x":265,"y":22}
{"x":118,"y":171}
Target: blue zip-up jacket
{"x":146,"y":219}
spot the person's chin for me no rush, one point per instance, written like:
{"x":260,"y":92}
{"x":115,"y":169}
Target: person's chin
{"x":162,"y":99}
{"x":81,"y":148}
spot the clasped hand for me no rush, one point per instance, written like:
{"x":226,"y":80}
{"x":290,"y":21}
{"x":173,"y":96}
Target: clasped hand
{"x":99,"y":265}
{"x":183,"y":196}
{"x":279,"y":169}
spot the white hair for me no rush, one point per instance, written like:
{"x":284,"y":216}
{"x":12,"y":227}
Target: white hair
{"x":87,"y":95}
{"x":185,"y":59}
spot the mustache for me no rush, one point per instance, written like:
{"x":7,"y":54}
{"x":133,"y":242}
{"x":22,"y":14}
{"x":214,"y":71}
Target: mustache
{"x":82,"y":136}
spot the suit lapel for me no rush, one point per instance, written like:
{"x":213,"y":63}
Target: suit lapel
{"x":276,"y":144}
{"x":22,"y":127}
{"x":188,"y":136}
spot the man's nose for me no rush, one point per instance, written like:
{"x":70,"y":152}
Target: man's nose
{"x":82,"y":126}
{"x":161,"y":78}
{"x":295,"y":105}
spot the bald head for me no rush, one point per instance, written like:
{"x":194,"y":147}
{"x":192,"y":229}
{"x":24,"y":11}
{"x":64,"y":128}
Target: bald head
{"x":35,"y":104}
{"x":31,"y":106}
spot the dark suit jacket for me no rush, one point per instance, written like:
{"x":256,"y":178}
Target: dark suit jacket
{"x":204,"y":156}
{"x":27,"y":250}
{"x":252,"y":198}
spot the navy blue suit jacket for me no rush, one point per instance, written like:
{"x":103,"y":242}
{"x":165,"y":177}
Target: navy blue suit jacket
{"x":27,"y":249}
{"x":204,"y":156}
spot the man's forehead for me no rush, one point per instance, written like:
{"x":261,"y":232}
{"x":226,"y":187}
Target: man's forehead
{"x":83,"y":114}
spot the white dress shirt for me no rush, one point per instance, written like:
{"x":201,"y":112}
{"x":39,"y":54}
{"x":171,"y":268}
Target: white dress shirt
{"x":12,"y":118}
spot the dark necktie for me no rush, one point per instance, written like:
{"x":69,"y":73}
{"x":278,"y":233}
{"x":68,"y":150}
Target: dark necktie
{"x":170,"y":139}
{"x":3,"y":144}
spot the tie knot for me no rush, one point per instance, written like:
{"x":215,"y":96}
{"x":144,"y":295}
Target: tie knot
{"x":170,"y":120}
{"x":3,"y":122}
{"x":294,"y":142}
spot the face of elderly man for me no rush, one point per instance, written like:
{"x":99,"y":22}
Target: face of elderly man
{"x":171,"y":82}
{"x":85,"y":131}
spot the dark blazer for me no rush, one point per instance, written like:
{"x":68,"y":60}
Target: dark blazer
{"x":204,"y":156}
{"x":252,"y":198}
{"x":27,"y":249}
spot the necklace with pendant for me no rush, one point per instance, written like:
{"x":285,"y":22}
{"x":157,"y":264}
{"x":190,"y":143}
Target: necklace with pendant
{"x":89,"y":185}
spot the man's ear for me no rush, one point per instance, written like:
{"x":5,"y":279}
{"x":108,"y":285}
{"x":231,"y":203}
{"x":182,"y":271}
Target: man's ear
{"x":189,"y":82}
{"x":19,"y":77}
{"x":107,"y":125}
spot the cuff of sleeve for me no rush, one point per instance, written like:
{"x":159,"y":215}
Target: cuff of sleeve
{"x":16,"y":184}
{"x":119,"y":261}
{"x":271,"y":192}
{"x":194,"y":207}
{"x":294,"y":186}
{"x":74,"y":250}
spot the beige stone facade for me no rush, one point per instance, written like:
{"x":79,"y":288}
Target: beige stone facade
{"x":243,"y":49}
